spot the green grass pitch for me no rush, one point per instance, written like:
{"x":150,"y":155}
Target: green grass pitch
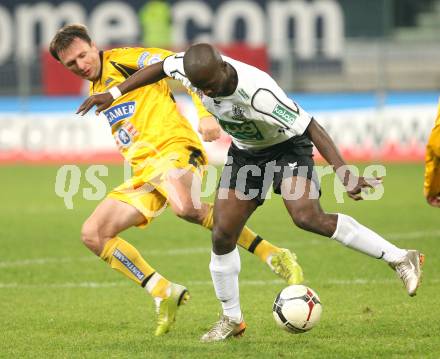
{"x":59,"y":301}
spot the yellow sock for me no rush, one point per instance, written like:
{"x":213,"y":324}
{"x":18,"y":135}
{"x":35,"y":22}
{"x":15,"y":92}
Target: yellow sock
{"x":125,"y":258}
{"x":248,"y":239}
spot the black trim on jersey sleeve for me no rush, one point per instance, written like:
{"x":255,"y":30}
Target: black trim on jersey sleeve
{"x":173,"y":72}
{"x":270,"y":114}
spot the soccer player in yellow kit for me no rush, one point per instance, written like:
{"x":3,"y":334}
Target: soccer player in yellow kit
{"x":165,"y":154}
{"x":432,"y":165}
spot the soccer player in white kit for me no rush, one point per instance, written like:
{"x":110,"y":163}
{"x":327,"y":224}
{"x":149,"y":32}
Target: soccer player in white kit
{"x":272,"y":140}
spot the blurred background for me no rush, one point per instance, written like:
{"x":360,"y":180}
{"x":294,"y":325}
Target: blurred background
{"x":368,"y":70}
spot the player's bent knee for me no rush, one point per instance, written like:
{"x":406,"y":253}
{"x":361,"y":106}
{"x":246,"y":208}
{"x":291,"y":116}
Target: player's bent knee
{"x":221,"y":235}
{"x":222,"y":240}
{"x":91,"y":238}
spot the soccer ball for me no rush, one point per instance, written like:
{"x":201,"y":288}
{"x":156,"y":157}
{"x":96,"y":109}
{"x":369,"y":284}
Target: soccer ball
{"x":297,"y":309}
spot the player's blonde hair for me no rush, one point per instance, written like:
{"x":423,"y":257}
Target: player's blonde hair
{"x":65,"y":36}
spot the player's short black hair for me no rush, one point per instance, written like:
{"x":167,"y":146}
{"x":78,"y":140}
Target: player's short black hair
{"x":65,"y":36}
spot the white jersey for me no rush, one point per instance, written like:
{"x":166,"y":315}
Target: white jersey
{"x":257,"y":115}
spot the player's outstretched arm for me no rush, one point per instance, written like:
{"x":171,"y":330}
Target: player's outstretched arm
{"x":143,"y":77}
{"x":331,"y":154}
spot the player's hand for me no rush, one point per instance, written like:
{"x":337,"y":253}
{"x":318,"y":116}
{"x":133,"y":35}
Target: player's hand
{"x":100,"y":100}
{"x":357,"y":185}
{"x":209,"y":129}
{"x":434,"y":201}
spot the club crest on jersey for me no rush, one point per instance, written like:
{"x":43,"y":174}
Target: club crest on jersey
{"x":124,"y":135}
{"x":237,"y":113}
{"x":117,"y":113}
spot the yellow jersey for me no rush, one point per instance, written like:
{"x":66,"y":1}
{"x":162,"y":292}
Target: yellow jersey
{"x":432,"y":161}
{"x":144,"y":122}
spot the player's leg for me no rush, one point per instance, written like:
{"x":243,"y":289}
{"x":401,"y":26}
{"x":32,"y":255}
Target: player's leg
{"x":184,"y":192}
{"x":306,"y":212}
{"x":100,"y":234}
{"x":230,"y":216}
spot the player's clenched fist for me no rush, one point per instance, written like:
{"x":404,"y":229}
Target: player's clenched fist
{"x":209,"y":129}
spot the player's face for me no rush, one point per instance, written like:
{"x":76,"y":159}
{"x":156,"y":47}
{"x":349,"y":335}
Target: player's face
{"x":216,"y":84}
{"x":82,"y":59}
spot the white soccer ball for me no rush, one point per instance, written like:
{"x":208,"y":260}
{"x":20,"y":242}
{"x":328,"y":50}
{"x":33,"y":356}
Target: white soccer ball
{"x":297,"y":309}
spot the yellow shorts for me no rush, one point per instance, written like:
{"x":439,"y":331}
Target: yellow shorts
{"x":146,"y":191}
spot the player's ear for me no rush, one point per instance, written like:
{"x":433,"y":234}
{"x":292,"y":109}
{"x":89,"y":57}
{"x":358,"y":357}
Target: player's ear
{"x":223,"y":67}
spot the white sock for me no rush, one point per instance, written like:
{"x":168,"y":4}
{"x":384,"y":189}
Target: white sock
{"x":354,"y":235}
{"x":224,"y":272}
